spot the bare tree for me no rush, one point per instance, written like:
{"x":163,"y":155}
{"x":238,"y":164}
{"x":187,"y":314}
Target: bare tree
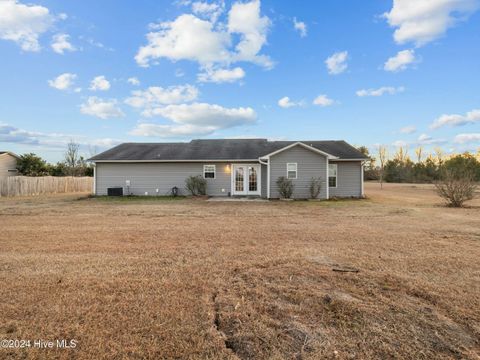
{"x":402,"y":154}
{"x":419,"y":154}
{"x":73,"y":160}
{"x":382,"y":157}
{"x":455,"y":187}
{"x":439,"y":155}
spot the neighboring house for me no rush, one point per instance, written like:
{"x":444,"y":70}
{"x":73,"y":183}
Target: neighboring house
{"x":8,"y":163}
{"x":236,"y":167}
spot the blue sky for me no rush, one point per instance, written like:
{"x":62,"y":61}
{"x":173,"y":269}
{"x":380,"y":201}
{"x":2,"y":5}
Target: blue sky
{"x":402,"y":72}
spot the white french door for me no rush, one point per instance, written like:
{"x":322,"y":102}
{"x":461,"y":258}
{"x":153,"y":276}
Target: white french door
{"x":246,"y":179}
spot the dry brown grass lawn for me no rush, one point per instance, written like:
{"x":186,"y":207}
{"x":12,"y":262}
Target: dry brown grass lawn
{"x":195,"y":279}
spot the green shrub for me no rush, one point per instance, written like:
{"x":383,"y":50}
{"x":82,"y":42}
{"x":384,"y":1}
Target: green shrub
{"x":462,"y":164}
{"x":315,"y":187}
{"x":196,"y":185}
{"x":32,"y":165}
{"x":285,"y":187}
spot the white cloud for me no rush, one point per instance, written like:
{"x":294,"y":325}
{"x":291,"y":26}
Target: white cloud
{"x":156,"y":96}
{"x":206,"y":114}
{"x":103,"y":142}
{"x":300,"y":26}
{"x":166,"y":131}
{"x":63,"y":82}
{"x":185,"y":38}
{"x":425,"y":139}
{"x":400,"y":61}
{"x":221,"y":75}
{"x":245,"y":19}
{"x":380,"y":91}
{"x":103,"y":109}
{"x":61,"y":43}
{"x":470,"y":117}
{"x":209,"y":10}
{"x":467,"y":138}
{"x":323,"y":100}
{"x":422,"y":21}
{"x":195,"y":119}
{"x":190,"y":38}
{"x":285,"y":102}
{"x":408,"y":129}
{"x":133,"y":81}
{"x":24,"y":24}
{"x":99,"y":83}
{"x":94,"y":43}
{"x":400,"y":143}
{"x":12,"y":134}
{"x":337,"y":63}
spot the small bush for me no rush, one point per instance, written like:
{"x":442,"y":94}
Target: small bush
{"x":315,"y":187}
{"x":196,"y":185}
{"x":456,"y":187}
{"x":285,"y":187}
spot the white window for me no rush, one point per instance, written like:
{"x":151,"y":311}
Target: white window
{"x":209,"y":171}
{"x":291,"y":170}
{"x":332,"y":175}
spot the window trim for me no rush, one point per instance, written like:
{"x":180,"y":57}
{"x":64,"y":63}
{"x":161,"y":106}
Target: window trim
{"x":336,"y":176}
{"x":296,"y":171}
{"x":214,"y":171}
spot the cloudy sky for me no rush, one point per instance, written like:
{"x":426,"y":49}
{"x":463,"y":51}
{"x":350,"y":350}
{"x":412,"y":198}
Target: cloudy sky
{"x":402,"y":72}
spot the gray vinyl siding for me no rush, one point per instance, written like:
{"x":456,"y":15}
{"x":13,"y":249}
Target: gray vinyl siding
{"x":349,"y":183}
{"x":309,"y":164}
{"x":264,"y":179}
{"x":147,"y":177}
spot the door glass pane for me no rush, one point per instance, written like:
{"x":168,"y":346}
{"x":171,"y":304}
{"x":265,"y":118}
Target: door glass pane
{"x":252,"y":178}
{"x":239,"y":179}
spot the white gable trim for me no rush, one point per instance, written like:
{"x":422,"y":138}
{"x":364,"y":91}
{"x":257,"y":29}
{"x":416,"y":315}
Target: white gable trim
{"x":299,"y":143}
{"x":11,"y":154}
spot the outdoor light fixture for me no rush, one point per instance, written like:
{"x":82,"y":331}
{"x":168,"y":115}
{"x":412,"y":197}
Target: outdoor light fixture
{"x":227,"y":168}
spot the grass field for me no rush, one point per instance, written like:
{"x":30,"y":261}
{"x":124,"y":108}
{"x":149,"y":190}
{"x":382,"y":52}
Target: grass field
{"x":196,"y":279}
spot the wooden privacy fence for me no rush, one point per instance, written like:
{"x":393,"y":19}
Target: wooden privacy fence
{"x":26,"y":185}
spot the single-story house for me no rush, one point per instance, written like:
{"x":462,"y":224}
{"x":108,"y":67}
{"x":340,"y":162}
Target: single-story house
{"x":231,"y":167}
{"x":8,"y":163}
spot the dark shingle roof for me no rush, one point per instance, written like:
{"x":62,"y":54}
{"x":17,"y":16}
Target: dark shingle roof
{"x":219,"y":149}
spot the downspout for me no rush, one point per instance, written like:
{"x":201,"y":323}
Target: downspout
{"x":326,"y":180}
{"x":268,"y":175}
{"x":94,"y":179}
{"x":362,"y":176}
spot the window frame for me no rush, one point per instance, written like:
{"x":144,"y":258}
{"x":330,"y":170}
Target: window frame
{"x":296,"y":171}
{"x":336,"y":176}
{"x":214,"y":171}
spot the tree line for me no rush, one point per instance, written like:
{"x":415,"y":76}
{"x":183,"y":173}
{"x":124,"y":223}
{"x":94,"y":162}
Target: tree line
{"x":423,"y":168}
{"x":73,"y":164}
